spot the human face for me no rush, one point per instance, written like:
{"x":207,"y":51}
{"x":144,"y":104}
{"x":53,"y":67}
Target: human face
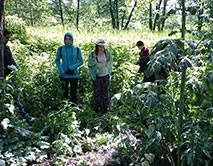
{"x":140,"y":47}
{"x":6,"y":38}
{"x":68,"y":40}
{"x":101,"y":49}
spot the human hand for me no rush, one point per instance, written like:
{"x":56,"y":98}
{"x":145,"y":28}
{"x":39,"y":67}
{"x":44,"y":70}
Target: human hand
{"x":99,"y":66}
{"x":70,"y":72}
{"x":137,"y":63}
{"x":12,"y":67}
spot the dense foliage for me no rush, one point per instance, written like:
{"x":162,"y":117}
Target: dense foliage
{"x":117,"y":14}
{"x":142,"y":125}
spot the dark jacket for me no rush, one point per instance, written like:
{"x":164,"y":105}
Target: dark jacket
{"x":8,"y":60}
{"x":143,"y":60}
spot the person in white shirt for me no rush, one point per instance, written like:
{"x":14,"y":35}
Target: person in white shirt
{"x":100,"y":67}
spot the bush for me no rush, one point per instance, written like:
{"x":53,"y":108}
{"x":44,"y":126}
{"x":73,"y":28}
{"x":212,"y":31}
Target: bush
{"x":17,"y":27}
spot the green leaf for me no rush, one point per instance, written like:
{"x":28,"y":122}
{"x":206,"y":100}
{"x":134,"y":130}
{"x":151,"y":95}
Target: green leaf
{"x":185,"y":62}
{"x":2,"y":163}
{"x":206,"y":153}
{"x":158,"y":136}
{"x":192,"y":10}
{"x":150,"y":131}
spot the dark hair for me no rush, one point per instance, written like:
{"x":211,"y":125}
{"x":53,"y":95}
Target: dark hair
{"x":96,"y":49}
{"x":6,"y":32}
{"x":140,"y":43}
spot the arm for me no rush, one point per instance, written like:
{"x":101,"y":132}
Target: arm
{"x":93,"y":66}
{"x":13,"y":61}
{"x":144,"y":57}
{"x":91,"y":62}
{"x":138,"y":61}
{"x":79,"y":61}
{"x":57,"y":61}
{"x":145,"y":52}
{"x":9,"y":61}
{"x":8,"y":56}
{"x":109,"y":61}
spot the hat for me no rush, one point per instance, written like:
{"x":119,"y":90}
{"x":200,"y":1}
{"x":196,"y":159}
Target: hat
{"x":100,"y":42}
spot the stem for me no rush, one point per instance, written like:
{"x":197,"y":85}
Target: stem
{"x":182,"y":87}
{"x":183,"y":30}
{"x":167,"y":148}
{"x":180,"y":117}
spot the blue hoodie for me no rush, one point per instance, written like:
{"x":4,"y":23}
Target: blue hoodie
{"x":69,"y":59}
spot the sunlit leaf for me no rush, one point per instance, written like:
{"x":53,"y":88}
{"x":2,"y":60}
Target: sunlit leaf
{"x":185,"y":62}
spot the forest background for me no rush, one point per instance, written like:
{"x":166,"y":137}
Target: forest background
{"x":144,"y":126}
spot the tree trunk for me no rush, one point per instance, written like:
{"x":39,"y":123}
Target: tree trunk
{"x":122,"y":18}
{"x":78,"y":7}
{"x":61,"y":12}
{"x":157,"y":14}
{"x":98,"y":8}
{"x":31,"y":13}
{"x":112,"y":15}
{"x":17,"y":11}
{"x":200,"y":18}
{"x":164,"y":13}
{"x":117,"y":14}
{"x":1,"y":53}
{"x":1,"y":40}
{"x":130,"y":15}
{"x":150,"y":15}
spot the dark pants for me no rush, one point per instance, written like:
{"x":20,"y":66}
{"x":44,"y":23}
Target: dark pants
{"x":19,"y":105}
{"x":145,"y":78}
{"x":149,"y":79}
{"x":73,"y":88}
{"x":101,"y":93}
{"x":21,"y":108}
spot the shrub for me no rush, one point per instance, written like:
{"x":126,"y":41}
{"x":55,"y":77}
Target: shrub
{"x":17,"y":27}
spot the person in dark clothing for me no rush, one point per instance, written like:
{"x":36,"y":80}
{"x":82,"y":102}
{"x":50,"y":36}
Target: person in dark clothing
{"x":71,"y":60}
{"x":143,"y":62}
{"x":9,"y":63}
{"x":9,"y":66}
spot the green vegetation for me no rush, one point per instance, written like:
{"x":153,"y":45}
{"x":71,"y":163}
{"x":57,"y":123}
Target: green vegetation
{"x":142,"y":127}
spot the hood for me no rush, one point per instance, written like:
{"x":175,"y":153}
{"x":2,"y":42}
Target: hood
{"x":68,"y":34}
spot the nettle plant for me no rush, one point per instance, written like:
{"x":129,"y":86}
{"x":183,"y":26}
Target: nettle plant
{"x":19,"y":145}
{"x":166,"y":126}
{"x":155,"y":113}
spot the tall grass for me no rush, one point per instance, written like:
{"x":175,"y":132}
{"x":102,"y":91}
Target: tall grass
{"x":124,"y":37}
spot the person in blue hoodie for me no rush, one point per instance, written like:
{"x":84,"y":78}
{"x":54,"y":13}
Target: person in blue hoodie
{"x":68,"y":59}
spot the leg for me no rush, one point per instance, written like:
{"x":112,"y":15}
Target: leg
{"x":23,"y":113}
{"x":19,"y":105}
{"x":105,"y":93}
{"x":73,"y":89}
{"x":97,"y":93}
{"x":64,"y":85}
{"x":137,"y":77}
